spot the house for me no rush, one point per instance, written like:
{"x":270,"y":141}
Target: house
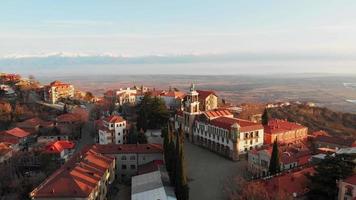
{"x":5,"y":152}
{"x":86,"y":175}
{"x":294,"y":184}
{"x":121,"y":96}
{"x":130,"y":156}
{"x":9,"y":78}
{"x":33,"y":125}
{"x":259,"y":159}
{"x":152,"y":185}
{"x":208,"y":100}
{"x":284,"y":132}
{"x":347,"y":188}
{"x":51,"y":134}
{"x":57,"y":90}
{"x":112,"y":130}
{"x":16,"y":135}
{"x":333,"y":142}
{"x":228,"y":136}
{"x":173,"y":99}
{"x":60,"y":150}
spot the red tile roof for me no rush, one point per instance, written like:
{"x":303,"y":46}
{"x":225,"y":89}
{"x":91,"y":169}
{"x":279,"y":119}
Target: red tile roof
{"x":34,"y":122}
{"x":128,"y":148}
{"x":59,"y":146}
{"x":351,"y":180}
{"x":294,"y":182}
{"x":69,"y":117}
{"x":217,"y":113}
{"x":227,"y":122}
{"x":203,"y":94}
{"x":276,"y":126}
{"x":15,"y":132}
{"x":77,"y":178}
{"x":114,"y":119}
{"x":59,"y":84}
{"x":175,"y":94}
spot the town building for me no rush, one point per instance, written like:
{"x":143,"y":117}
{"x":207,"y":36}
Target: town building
{"x":113,"y":130}
{"x":130,"y":156}
{"x":294,"y":183}
{"x":87,"y":175}
{"x":33,"y":125}
{"x":57,"y":90}
{"x":173,"y":99}
{"x":5,"y":152}
{"x":191,"y":109}
{"x":9,"y":78}
{"x":208,"y":100}
{"x":152,"y":185}
{"x":259,"y":159}
{"x":284,"y":132}
{"x":227,"y":136}
{"x":15,"y":136}
{"x":60,"y":150}
{"x":121,"y":96}
{"x":347,"y":188}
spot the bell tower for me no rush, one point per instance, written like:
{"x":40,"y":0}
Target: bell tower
{"x":190,"y":111}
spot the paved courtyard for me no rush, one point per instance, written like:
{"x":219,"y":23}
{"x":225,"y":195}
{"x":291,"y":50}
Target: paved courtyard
{"x":208,"y":172}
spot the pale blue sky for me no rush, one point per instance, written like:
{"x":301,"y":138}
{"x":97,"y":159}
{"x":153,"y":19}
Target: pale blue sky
{"x":163,"y":27}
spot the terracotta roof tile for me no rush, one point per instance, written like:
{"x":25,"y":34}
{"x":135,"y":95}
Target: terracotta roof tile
{"x":227,"y":122}
{"x":114,"y":119}
{"x":15,"y":132}
{"x":77,"y":178}
{"x":276,"y":126}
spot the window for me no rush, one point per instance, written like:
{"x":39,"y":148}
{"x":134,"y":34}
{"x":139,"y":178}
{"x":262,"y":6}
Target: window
{"x":133,"y":166}
{"x":245,"y":149}
{"x":132,"y":158}
{"x":123,"y":158}
{"x":123,"y":166}
{"x":251,"y":141}
{"x":246,"y":135}
{"x":256,"y":134}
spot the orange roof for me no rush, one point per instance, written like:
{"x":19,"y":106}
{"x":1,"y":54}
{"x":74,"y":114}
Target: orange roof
{"x":276,"y":126}
{"x":34,"y":122}
{"x":77,"y":178}
{"x":114,"y":119}
{"x":15,"y":132}
{"x":217,"y":113}
{"x":59,"y":84}
{"x":227,"y":122}
{"x":294,"y":182}
{"x":128,"y":148}
{"x":4,"y":148}
{"x":69,"y":117}
{"x":203,"y":94}
{"x":175,"y":94}
{"x":59,"y":146}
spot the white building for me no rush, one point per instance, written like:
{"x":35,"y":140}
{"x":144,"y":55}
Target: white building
{"x":228,"y":136}
{"x":153,"y":185}
{"x":113,"y":130}
{"x":130,"y":156}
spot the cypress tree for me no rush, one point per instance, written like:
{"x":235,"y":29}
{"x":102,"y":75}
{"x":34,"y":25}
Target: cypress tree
{"x":265,"y":117}
{"x":274,"y":165}
{"x":182,"y":189}
{"x":165,"y":134}
{"x":172,"y":160}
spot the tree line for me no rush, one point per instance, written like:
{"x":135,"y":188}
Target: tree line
{"x":174,"y":159}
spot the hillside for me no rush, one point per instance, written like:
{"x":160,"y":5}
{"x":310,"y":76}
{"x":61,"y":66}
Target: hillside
{"x":316,"y":118}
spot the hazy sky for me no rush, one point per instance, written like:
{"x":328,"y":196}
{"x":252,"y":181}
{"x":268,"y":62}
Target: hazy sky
{"x":181,"y":27}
